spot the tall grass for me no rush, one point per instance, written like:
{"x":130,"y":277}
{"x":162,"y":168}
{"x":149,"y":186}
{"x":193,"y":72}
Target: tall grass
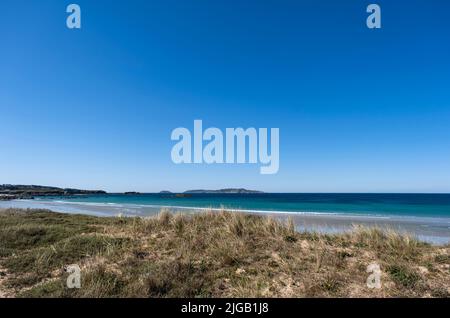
{"x":210,"y":254}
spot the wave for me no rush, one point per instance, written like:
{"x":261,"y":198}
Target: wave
{"x":130,"y":207}
{"x":137,"y":208}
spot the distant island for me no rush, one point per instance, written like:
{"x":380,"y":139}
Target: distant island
{"x":188,"y":193}
{"x":13,"y":192}
{"x":228,"y":190}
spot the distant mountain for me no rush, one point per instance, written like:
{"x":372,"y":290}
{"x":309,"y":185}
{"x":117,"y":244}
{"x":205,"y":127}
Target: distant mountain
{"x":228,"y":190}
{"x":165,"y":192}
{"x":9,"y":191}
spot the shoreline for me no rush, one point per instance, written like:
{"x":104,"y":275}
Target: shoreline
{"x":435,"y":230}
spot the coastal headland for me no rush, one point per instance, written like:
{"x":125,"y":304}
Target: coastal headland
{"x":14,"y":192}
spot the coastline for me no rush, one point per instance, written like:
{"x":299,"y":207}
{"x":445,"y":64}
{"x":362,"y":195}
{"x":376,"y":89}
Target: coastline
{"x":435,"y":230}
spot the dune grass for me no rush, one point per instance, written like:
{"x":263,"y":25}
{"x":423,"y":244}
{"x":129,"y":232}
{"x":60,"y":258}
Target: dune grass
{"x":211,"y":254}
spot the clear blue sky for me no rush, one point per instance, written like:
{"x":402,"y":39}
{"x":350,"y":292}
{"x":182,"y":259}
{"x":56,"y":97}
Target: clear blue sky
{"x":359,"y":110}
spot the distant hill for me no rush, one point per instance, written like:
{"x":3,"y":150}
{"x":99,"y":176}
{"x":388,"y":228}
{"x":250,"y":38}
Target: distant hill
{"x":228,"y":190}
{"x":9,"y":191}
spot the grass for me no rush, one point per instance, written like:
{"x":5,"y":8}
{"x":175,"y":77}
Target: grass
{"x":404,"y":276}
{"x":211,"y":254}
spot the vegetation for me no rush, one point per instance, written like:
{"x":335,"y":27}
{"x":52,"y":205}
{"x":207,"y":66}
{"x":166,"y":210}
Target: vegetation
{"x":208,"y":255}
{"x":13,"y":192}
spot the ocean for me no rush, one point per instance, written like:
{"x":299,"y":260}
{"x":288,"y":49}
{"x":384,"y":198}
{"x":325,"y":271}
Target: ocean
{"x":418,"y":205}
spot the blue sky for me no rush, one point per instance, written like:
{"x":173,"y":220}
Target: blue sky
{"x":359,"y":110}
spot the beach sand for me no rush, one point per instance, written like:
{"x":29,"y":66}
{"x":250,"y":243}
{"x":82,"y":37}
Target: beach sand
{"x":430,"y":229}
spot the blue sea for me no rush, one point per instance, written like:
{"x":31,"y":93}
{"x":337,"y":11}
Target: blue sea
{"x":418,"y":205}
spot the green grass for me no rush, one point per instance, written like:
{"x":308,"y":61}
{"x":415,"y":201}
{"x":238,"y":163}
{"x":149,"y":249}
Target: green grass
{"x":63,"y":252}
{"x":404,"y":276}
{"x":213,"y":254}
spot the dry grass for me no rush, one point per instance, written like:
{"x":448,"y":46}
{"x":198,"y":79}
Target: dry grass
{"x":209,"y":254}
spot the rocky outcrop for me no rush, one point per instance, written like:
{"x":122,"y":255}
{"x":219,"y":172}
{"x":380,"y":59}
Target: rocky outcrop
{"x":7,"y":197}
{"x":12,"y":192}
{"x":228,"y":190}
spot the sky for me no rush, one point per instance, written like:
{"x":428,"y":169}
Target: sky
{"x":359,"y":110}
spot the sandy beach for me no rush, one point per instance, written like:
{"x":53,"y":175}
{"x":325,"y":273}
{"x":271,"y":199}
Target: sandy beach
{"x":429,"y":229}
